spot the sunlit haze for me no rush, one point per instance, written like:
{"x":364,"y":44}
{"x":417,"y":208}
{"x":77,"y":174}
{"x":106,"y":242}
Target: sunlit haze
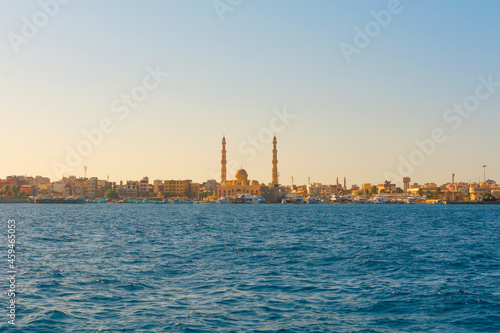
{"x":347,"y":90}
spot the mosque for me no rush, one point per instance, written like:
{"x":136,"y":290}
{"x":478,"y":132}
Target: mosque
{"x":241,"y":184}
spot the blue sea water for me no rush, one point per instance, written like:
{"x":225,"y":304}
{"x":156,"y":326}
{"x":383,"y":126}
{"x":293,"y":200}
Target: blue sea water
{"x":254,"y":268}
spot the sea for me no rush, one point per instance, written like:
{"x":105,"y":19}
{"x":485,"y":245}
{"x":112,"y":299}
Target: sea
{"x":251,"y":268}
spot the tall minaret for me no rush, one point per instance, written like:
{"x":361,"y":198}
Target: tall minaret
{"x":275,"y":163}
{"x":345,"y":184}
{"x":223,"y":162}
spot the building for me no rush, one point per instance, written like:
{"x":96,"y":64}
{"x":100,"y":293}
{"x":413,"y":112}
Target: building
{"x":387,"y":187}
{"x":92,"y":187}
{"x":320,"y":190}
{"x":406,"y":183}
{"x":158,"y":186}
{"x":478,"y":191}
{"x":272,"y":194}
{"x":131,"y":189}
{"x":241,"y":184}
{"x":210,"y":186}
{"x":180,"y":188}
{"x":144,"y":185}
{"x":79,"y":187}
{"x":366,"y":187}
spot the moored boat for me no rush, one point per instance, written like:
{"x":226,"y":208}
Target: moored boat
{"x":80,"y":200}
{"x":70,"y":200}
{"x":223,"y":200}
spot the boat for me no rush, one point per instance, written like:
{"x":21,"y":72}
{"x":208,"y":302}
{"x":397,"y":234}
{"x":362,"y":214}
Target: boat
{"x":361,"y":200}
{"x":223,"y":200}
{"x":80,"y":200}
{"x":58,"y":200}
{"x":312,"y":200}
{"x":39,"y":200}
{"x":381,"y":199}
{"x":31,"y":199}
{"x":293,"y":199}
{"x":252,"y":199}
{"x":47,"y":199}
{"x":70,"y":200}
{"x":103,"y":200}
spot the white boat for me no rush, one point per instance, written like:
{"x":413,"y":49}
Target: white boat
{"x":246,"y":198}
{"x":223,"y":200}
{"x":381,"y":199}
{"x":293,"y":199}
{"x":334,"y":198}
{"x":361,"y":200}
{"x":253,"y":199}
{"x":312,"y":200}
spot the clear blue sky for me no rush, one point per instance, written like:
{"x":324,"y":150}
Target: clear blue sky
{"x":227,"y":76}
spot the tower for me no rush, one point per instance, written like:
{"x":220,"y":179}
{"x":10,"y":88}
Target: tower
{"x":345,"y":184}
{"x":406,"y":183}
{"x":223,"y":170}
{"x":275,"y":163}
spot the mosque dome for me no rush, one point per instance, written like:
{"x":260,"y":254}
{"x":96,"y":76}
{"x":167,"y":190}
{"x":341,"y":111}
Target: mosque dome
{"x":241,"y":174}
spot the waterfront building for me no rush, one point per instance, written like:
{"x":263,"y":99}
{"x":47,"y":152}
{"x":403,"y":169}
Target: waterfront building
{"x":158,"y":186}
{"x":210,"y":185}
{"x":406,"y":184}
{"x":320,"y":190}
{"x":387,"y":187}
{"x":478,"y":191}
{"x":239,"y":185}
{"x":180,"y":188}
{"x":144,"y":185}
{"x":79,"y":187}
{"x":92,"y":186}
{"x":366,"y":187}
{"x":242,"y":185}
{"x":131,"y":189}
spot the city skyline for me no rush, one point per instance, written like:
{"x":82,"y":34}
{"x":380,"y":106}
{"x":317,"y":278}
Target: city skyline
{"x":349,"y":89}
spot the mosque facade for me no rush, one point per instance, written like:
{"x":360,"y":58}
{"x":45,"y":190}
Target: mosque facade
{"x":241,"y":184}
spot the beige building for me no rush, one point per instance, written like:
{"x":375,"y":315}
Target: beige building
{"x":387,"y":187}
{"x":144,"y":185}
{"x":180,"y":188}
{"x":92,"y":187}
{"x":241,"y":184}
{"x":478,"y":191}
{"x":320,"y":190}
{"x":366,"y":187}
{"x":79,"y":187}
{"x":131,"y":189}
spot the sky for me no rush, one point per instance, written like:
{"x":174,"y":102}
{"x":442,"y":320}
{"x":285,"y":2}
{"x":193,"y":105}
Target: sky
{"x":367,"y":90}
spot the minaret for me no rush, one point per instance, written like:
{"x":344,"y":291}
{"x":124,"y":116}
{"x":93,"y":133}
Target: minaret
{"x":275,"y":162}
{"x":345,"y":187}
{"x":223,"y":162}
